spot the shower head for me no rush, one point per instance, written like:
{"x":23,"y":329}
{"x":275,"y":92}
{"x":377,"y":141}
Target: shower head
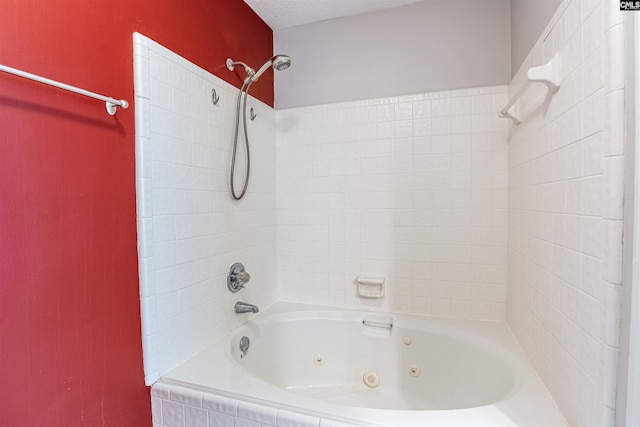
{"x":281,"y":62}
{"x":278,"y":62}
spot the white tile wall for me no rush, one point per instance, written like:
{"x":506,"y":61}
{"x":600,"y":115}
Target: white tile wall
{"x":190,"y":230}
{"x":175,"y":406}
{"x":412,"y":188}
{"x":565,"y":211}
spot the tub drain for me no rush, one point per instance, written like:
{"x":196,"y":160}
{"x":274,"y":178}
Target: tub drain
{"x":371,"y":379}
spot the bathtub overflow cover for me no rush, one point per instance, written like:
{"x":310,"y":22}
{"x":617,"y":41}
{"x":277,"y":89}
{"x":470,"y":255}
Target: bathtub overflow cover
{"x":318,"y":359}
{"x":244,"y":345}
{"x":371,"y":379}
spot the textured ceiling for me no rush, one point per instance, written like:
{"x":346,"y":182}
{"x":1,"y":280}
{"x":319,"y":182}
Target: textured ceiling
{"x":289,"y":13}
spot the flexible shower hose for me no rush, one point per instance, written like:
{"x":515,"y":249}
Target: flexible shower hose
{"x":243,"y":90}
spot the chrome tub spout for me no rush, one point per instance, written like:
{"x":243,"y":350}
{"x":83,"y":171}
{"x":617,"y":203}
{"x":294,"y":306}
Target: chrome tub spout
{"x":245,"y":307}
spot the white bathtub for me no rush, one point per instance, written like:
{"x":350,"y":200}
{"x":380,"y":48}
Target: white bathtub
{"x":364,"y":368}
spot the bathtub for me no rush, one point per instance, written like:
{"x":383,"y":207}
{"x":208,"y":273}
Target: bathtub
{"x":325,"y":367}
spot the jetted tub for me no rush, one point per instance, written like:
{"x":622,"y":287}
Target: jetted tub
{"x":369,"y":368}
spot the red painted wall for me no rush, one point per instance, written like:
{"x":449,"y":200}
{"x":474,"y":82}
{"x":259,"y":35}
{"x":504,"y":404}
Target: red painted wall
{"x":70,"y":341}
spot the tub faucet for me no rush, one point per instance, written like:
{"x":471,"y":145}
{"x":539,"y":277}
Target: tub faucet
{"x":245,"y":307}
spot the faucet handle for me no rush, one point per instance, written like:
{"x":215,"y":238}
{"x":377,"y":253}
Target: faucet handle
{"x":242,"y":278}
{"x":237,"y":277}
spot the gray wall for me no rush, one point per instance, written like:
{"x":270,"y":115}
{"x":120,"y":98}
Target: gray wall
{"x":427,"y":46}
{"x":528,"y":20}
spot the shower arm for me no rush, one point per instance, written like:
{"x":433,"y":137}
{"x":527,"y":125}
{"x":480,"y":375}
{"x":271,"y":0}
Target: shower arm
{"x":231,"y":65}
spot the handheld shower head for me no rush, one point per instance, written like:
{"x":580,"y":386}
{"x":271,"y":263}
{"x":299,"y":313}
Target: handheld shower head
{"x":278,"y":62}
{"x":281,"y":62}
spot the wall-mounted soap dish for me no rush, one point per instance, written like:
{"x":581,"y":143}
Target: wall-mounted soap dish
{"x":370,"y":286}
